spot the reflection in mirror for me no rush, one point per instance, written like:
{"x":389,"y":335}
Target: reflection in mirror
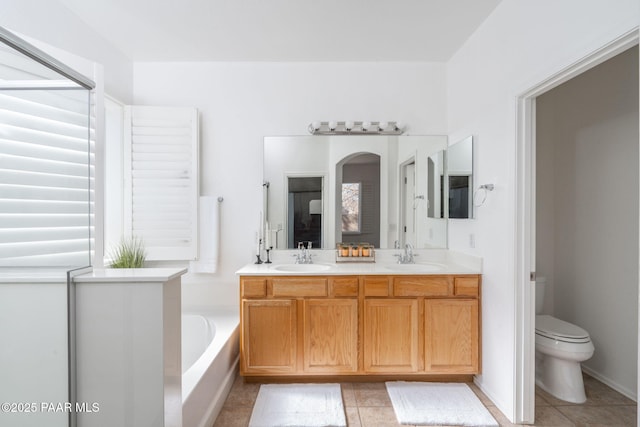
{"x":416,"y":225}
{"x":408,"y":200}
{"x":435,"y":185}
{"x":460,"y":178}
{"x":304,"y":211}
{"x":358,"y":192}
{"x":373,"y":166}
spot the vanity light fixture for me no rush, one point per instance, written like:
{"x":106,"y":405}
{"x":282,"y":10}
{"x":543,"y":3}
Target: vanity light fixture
{"x":356,"y":128}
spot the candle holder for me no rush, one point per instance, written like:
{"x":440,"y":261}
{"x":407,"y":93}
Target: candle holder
{"x":268,"y":261}
{"x":258,"y":260}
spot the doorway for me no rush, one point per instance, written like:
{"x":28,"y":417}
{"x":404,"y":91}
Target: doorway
{"x":407,"y":203}
{"x":304,"y":211}
{"x":526,"y":222}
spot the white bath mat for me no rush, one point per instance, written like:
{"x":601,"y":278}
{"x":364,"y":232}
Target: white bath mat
{"x":428,"y":404}
{"x":298,"y":405}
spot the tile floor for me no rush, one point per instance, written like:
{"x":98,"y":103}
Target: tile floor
{"x":368,"y":405}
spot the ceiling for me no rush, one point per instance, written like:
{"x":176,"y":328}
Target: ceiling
{"x":284,"y":30}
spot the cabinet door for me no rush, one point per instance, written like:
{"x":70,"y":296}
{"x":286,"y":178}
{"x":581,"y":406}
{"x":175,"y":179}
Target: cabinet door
{"x":391,"y":335}
{"x":331,"y":335}
{"x":268,"y":336}
{"x":451,"y":336}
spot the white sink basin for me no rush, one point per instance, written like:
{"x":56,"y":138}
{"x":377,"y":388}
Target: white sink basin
{"x":418,"y":268}
{"x":302,"y":268}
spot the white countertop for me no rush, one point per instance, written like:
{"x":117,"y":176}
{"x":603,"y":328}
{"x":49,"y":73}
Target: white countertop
{"x":427,"y":262}
{"x":130,"y":275}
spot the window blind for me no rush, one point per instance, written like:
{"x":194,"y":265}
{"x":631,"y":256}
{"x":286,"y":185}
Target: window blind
{"x":161,"y":180}
{"x":46,"y":176}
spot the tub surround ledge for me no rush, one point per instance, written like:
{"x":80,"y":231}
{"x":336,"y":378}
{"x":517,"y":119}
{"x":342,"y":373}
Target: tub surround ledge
{"x":128,"y":346}
{"x":132,"y":275}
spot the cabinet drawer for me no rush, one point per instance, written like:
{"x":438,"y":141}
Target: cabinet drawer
{"x":253,"y":288}
{"x":376,"y":287}
{"x":422,"y":286}
{"x":299,"y":287}
{"x":343,"y":287}
{"x":466,"y":286}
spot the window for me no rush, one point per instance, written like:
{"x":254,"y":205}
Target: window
{"x":351,"y":207}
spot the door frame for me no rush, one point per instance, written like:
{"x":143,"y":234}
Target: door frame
{"x":406,"y":200}
{"x":525,"y":199}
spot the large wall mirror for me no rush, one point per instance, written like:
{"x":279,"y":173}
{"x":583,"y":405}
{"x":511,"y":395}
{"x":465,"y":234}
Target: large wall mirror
{"x":379,"y":189}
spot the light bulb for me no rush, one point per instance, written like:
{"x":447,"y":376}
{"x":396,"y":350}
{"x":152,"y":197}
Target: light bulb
{"x":316,"y":125}
{"x":348,"y":125}
{"x":383,"y":125}
{"x":333,"y":125}
{"x":399,"y":125}
{"x":366,"y":125}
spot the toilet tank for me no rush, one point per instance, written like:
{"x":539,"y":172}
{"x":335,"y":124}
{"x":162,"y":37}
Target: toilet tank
{"x":541,"y":283}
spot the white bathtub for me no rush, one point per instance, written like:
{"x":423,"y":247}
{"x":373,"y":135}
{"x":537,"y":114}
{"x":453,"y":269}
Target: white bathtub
{"x":210,"y":353}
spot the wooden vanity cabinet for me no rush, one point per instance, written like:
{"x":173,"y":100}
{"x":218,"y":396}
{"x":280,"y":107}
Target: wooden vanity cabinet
{"x":451,"y":336}
{"x":330,"y":335}
{"x":269,"y":334}
{"x":358,"y":325}
{"x":422,"y":324}
{"x":299,"y":325}
{"x":391,"y":337}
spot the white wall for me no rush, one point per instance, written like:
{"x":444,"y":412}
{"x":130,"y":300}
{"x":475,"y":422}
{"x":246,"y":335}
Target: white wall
{"x":587,"y":140}
{"x":241,"y":103}
{"x":52,"y":23}
{"x":520,"y":45}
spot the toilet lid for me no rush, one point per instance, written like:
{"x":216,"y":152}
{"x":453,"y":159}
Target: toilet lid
{"x":560,"y":330}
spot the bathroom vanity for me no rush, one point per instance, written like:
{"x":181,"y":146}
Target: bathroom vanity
{"x":354,"y":320}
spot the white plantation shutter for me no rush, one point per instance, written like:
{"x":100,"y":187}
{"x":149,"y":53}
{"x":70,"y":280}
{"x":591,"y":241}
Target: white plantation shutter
{"x":161,"y":180}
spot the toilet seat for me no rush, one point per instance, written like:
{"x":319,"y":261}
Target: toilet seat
{"x":559,"y":330}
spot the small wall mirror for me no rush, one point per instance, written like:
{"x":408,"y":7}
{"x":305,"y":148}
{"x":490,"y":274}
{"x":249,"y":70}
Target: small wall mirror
{"x":460,"y":179}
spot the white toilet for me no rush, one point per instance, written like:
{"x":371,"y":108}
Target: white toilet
{"x":560,"y":348}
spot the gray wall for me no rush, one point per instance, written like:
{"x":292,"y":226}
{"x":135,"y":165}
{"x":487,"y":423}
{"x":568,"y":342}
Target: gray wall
{"x":587,"y":211}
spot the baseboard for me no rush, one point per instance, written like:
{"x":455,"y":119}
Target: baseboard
{"x":631,"y":394}
{"x":497,"y":402}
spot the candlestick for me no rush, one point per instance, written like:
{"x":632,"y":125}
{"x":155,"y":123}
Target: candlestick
{"x":267,"y":239}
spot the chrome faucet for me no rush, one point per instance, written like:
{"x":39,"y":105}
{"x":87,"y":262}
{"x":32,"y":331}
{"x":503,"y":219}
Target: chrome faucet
{"x":304,"y":256}
{"x":407,"y":256}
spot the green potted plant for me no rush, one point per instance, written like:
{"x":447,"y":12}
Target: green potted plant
{"x":130,"y":253}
